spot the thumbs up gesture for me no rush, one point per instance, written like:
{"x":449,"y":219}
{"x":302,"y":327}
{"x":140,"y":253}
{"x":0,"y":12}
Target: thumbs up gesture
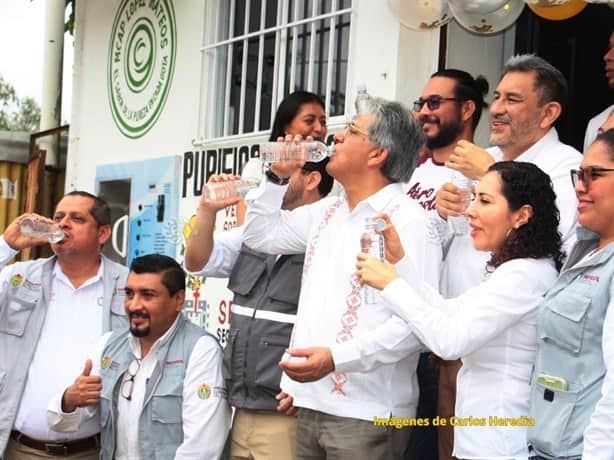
{"x":84,"y":392}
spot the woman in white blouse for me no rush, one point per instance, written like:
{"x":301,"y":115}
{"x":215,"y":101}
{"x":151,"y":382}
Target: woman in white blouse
{"x":491,"y":327}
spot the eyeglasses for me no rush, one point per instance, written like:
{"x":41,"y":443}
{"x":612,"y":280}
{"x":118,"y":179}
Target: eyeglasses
{"x":587,"y":175}
{"x":128,"y":384}
{"x":353,"y":128}
{"x":432,"y":102}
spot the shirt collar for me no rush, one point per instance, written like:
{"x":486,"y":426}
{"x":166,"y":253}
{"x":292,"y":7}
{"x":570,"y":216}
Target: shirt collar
{"x":380,"y":199}
{"x":135,"y":345}
{"x":550,"y":138}
{"x":61,"y":276}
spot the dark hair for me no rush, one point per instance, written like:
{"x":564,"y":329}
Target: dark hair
{"x":395,"y":130}
{"x":524,"y":183}
{"x":550,"y":84}
{"x":288,"y":109}
{"x":173,"y":276}
{"x":467,"y":88}
{"x":607,"y":138}
{"x":326,"y":180}
{"x":100,"y":210}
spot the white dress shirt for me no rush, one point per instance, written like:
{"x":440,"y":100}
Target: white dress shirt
{"x":205,"y":421}
{"x":224,"y":255}
{"x":592,"y":128}
{"x":464,"y":267}
{"x":375,"y":353}
{"x":598,"y":436}
{"x":59,"y":356}
{"x":493,"y":328}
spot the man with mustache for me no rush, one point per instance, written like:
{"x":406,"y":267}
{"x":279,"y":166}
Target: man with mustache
{"x":50,"y":309}
{"x":449,"y":111}
{"x":598,"y":120}
{"x":528,"y":100}
{"x":156,"y":388}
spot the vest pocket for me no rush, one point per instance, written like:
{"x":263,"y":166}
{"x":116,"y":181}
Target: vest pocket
{"x":270,"y":351}
{"x":562,"y":320}
{"x":552,"y":412}
{"x":166,"y":424}
{"x":17,"y":314}
{"x":247,"y":271}
{"x":290,"y":290}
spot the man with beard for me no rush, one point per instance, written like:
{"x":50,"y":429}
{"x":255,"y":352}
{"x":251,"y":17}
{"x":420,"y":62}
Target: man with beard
{"x":449,"y":111}
{"x":598,"y":120}
{"x":156,"y":388}
{"x":527,"y":101}
{"x":50,"y":310}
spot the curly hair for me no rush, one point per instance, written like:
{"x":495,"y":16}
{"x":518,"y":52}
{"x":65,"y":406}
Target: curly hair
{"x":521,"y":184}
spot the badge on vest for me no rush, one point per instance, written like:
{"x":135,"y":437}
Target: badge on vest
{"x":106,"y":363}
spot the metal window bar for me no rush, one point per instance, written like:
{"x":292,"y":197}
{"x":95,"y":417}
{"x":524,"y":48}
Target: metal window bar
{"x":259,"y":73}
{"x":329,"y":67}
{"x":312,"y":48}
{"x":231,"y":22}
{"x":244,"y":67}
{"x":293,"y":55}
{"x":280,"y":30}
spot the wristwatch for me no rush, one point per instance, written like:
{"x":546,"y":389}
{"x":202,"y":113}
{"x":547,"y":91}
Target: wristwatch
{"x":275,"y":179}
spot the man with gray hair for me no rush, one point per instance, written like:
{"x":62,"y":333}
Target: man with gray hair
{"x":527,"y":102}
{"x":349,"y":364}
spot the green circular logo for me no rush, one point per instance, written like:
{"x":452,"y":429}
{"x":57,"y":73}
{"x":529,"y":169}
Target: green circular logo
{"x":141,"y":63}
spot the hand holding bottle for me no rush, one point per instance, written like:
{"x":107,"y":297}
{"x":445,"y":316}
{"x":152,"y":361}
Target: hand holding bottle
{"x":223,"y":190}
{"x":373,"y":272}
{"x":18,"y":240}
{"x":284,"y":169}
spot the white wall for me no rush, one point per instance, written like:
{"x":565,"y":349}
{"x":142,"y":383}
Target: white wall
{"x":94,"y":137}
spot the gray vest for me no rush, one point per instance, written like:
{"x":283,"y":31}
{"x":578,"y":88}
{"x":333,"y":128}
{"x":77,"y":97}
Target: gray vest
{"x":161,"y":422}
{"x":22,"y":314}
{"x":570,"y":333}
{"x":255,"y":345}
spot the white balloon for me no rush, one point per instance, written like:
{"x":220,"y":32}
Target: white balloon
{"x":479,"y":6}
{"x":421,"y":14}
{"x":490,"y":23}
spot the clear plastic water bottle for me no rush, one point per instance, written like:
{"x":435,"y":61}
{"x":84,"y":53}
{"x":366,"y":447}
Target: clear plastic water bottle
{"x":31,"y":226}
{"x":294,"y":151}
{"x":372,"y":242}
{"x":362,"y":99}
{"x":217,"y":191}
{"x":460,"y":224}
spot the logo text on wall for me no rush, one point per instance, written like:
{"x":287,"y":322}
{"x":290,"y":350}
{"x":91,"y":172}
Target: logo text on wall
{"x":141,"y":63}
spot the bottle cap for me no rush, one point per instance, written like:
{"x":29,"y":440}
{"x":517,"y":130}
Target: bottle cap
{"x":361,"y":87}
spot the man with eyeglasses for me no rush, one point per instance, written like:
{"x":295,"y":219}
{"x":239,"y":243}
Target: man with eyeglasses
{"x":50,"y":311}
{"x":156,"y":389}
{"x":350,"y":362}
{"x":595,"y":124}
{"x":449,"y":111}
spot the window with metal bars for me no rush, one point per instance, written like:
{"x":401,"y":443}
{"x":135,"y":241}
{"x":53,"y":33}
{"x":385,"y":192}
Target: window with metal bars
{"x":256,"y":52}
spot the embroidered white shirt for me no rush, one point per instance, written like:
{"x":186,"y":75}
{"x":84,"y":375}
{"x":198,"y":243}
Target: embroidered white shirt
{"x":375,"y":353}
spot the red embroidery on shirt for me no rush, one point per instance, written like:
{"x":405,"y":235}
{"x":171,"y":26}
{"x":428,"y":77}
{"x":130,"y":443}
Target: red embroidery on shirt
{"x":349,"y":318}
{"x":311,"y":247}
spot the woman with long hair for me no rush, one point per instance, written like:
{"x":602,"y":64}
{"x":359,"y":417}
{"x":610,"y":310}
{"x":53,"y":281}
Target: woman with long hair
{"x":492,"y":327}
